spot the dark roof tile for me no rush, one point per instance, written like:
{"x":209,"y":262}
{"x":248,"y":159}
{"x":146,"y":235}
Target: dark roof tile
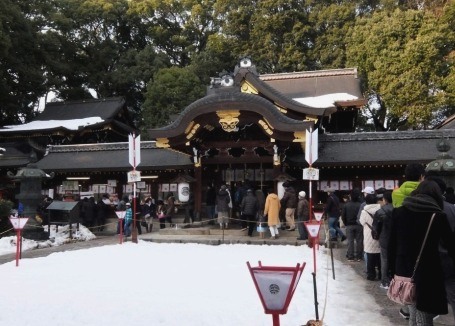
{"x":110,"y":157}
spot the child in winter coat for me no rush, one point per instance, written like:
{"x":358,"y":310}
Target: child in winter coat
{"x":128,"y":219}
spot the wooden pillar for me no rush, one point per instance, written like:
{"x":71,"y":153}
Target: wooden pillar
{"x":276,"y":171}
{"x":197,"y":191}
{"x":276,"y":166}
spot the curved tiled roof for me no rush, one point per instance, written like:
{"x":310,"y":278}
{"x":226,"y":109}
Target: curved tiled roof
{"x":314,"y":84}
{"x":106,"y":109}
{"x":230,"y":99}
{"x":281,"y":99}
{"x":110,"y":157}
{"x":75,"y":116}
{"x":391,"y":147}
{"x":15,"y":154}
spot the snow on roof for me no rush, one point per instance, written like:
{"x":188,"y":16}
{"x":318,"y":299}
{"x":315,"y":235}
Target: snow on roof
{"x":326,"y":100}
{"x":73,"y":124}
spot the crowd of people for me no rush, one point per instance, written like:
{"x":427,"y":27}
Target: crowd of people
{"x":256,"y":210}
{"x":94,"y":214}
{"x":252,"y":208}
{"x":386,"y":229}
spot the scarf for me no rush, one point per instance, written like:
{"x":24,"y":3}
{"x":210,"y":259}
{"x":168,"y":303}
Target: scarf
{"x":422,"y":203}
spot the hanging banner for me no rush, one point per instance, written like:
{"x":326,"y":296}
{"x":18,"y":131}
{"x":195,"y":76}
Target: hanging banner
{"x":134,"y":150}
{"x":311,"y":146}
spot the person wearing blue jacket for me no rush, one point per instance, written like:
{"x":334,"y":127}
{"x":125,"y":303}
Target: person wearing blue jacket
{"x":128,"y":219}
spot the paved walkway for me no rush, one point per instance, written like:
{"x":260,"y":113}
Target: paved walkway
{"x":390,"y":309}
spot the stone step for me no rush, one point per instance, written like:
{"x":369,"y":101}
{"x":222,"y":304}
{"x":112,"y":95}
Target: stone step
{"x":198,"y":229}
{"x":203,"y":229}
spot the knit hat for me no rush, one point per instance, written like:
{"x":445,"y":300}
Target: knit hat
{"x":302,"y":194}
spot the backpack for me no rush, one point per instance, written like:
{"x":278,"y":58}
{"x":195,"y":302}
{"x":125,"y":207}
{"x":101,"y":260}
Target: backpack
{"x":375,"y":228}
{"x":377,"y":225}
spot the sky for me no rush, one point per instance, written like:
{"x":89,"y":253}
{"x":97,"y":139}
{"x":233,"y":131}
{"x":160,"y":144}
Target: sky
{"x":171,"y":284}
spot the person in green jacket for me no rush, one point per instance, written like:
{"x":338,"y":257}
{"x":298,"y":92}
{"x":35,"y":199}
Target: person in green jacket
{"x":413,"y":174}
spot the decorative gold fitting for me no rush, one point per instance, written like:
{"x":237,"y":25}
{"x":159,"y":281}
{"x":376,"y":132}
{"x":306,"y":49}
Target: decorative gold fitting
{"x":229,"y":120}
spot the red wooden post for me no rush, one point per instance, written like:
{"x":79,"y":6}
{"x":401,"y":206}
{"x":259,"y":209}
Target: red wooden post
{"x":18,"y":245}
{"x":18,"y":224}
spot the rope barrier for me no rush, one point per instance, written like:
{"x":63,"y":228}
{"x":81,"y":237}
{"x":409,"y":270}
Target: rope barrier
{"x":327,"y":278}
{"x":215,"y":219}
{"x":6,"y":231}
{"x":154,"y":222}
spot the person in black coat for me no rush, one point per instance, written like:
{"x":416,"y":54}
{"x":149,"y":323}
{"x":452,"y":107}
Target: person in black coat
{"x":170,"y":208}
{"x":222,"y":207}
{"x":448,"y":266}
{"x":102,"y":208}
{"x":249,"y":208}
{"x":148,"y":211}
{"x":210,"y":202}
{"x":384,"y":220}
{"x":409,"y":225}
{"x":303,"y":215}
{"x":289,"y":203}
{"x":332,"y":213}
{"x":88,"y":211}
{"x":354,"y":231}
{"x":189,"y":209}
{"x":449,"y":195}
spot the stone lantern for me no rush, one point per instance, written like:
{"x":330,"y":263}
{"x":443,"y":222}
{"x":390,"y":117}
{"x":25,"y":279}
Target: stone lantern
{"x":444,"y":165}
{"x":30,"y":196}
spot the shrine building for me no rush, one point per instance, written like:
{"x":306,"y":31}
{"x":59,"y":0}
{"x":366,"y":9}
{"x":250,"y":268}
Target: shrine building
{"x":248,"y":128}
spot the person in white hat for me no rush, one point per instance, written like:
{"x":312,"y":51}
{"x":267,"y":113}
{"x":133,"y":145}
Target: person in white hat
{"x":366,"y":191}
{"x":303,"y":214}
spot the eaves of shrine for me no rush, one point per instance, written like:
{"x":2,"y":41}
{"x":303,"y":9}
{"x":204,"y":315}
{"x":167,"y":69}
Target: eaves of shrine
{"x":378,"y":149}
{"x":244,"y":110}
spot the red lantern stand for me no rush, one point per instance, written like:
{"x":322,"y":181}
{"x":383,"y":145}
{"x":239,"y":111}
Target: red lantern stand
{"x":313,"y":226}
{"x":275,"y":286}
{"x":121,"y":217}
{"x":18,"y":225}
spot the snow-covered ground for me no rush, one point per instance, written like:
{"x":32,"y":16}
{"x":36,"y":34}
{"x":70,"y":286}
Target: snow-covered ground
{"x":171,"y":284}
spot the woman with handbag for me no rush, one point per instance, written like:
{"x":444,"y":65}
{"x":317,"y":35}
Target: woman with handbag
{"x":417,"y":229}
